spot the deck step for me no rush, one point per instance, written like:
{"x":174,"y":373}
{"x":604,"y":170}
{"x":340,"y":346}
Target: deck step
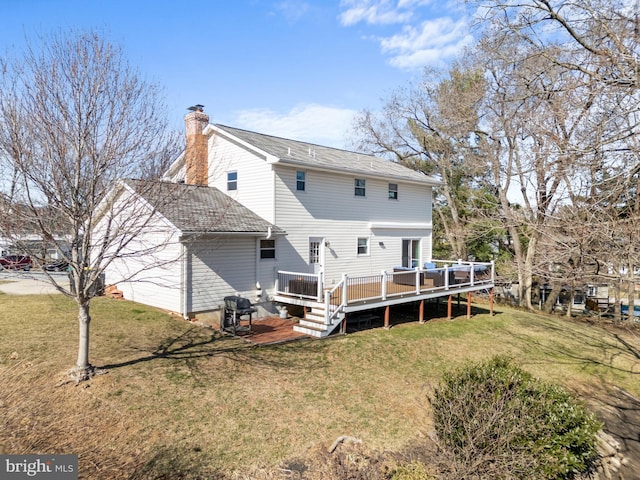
{"x":314,"y":323}
{"x":315,"y":317}
{"x":314,"y":332}
{"x":305,"y":322}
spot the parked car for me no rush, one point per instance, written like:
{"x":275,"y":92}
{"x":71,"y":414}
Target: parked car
{"x":16,"y":262}
{"x":57,"y":266}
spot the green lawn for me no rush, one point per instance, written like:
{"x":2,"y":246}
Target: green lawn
{"x":178,"y":396}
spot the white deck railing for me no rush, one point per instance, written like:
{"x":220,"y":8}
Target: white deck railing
{"x":445,"y":277}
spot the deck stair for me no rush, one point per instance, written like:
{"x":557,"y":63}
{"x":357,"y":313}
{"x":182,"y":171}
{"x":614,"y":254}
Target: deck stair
{"x":314,"y":322}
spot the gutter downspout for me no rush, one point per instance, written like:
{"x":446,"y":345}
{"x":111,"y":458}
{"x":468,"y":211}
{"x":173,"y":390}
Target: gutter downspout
{"x":183,"y":286}
{"x":258,"y":285}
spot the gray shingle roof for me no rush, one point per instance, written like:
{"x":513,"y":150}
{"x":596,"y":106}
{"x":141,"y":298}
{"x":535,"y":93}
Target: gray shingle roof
{"x":201,"y":209}
{"x":327,"y":158}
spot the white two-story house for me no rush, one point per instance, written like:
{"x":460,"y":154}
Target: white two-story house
{"x":276,"y":217}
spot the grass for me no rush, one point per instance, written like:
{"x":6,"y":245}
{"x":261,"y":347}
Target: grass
{"x":181,"y":398}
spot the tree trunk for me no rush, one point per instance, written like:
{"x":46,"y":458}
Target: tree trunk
{"x":631,"y":293}
{"x":526,"y":273}
{"x":550,"y":302}
{"x":83,"y":369}
{"x":572,"y":295}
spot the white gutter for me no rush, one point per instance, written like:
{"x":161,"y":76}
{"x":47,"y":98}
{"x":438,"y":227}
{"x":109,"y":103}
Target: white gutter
{"x":183,"y":286}
{"x":402,"y":226}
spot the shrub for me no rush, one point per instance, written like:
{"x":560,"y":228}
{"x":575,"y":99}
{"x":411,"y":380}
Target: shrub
{"x":497,"y":421}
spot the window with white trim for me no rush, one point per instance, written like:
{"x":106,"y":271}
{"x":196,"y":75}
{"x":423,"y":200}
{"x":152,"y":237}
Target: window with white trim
{"x":301,"y":181}
{"x":267,"y":249}
{"x":363,"y":245}
{"x":411,"y":253}
{"x":232,"y":181}
{"x":393,"y":191}
{"x":360,"y":187}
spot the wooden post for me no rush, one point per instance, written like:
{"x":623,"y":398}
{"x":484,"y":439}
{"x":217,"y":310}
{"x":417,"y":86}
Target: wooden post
{"x":386,"y":316}
{"x":468,"y":304}
{"x":449,"y":302}
{"x":421,"y":312}
{"x":491,"y":302}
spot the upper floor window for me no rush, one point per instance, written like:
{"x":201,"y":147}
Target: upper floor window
{"x":232,"y":180}
{"x":301,"y":181}
{"x":267,"y":249}
{"x":363,"y":245}
{"x":393,"y":191}
{"x":360,"y":187}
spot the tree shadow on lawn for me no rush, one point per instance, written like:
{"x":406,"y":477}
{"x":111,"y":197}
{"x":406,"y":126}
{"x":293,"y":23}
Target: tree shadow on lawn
{"x":601,"y":346}
{"x":196,"y":343}
{"x":620,"y":412}
{"x":176,"y":463}
{"x":592,"y":346}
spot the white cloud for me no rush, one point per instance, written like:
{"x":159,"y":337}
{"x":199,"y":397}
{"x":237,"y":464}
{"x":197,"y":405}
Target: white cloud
{"x":378,"y":12}
{"x":418,"y":42}
{"x":434,"y":41}
{"x":312,"y":123}
{"x":293,"y":10}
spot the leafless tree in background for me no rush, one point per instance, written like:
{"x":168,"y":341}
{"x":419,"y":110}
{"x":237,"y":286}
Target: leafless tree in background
{"x":550,"y":132}
{"x":600,"y":36}
{"x":74,"y":118}
{"x":431,"y":128}
{"x":595,"y":44}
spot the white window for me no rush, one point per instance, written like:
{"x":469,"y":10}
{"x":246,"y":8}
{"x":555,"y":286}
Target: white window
{"x":267,"y":249}
{"x":393,"y":191}
{"x":301,"y":181}
{"x":363,"y":245}
{"x":360,"y":189}
{"x":232,"y":181}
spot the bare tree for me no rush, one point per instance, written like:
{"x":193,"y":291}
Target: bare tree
{"x":74,"y":118}
{"x":432,"y":128}
{"x":600,"y":35}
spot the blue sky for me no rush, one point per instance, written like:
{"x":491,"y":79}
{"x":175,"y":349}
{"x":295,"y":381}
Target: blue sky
{"x":294,"y":68}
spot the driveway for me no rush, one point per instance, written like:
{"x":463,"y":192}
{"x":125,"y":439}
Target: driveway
{"x":30,"y":283}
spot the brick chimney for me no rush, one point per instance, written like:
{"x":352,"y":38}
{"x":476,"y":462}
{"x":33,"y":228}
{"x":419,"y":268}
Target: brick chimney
{"x":196,"y":153}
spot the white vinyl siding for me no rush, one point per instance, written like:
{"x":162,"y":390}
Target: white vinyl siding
{"x":330,"y":210}
{"x":220,"y":267}
{"x":153,"y":278}
{"x":254,"y":175}
{"x":157,"y":286}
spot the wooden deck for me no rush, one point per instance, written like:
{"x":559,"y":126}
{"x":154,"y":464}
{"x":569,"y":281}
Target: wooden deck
{"x":326,"y":308}
{"x":270,"y":330}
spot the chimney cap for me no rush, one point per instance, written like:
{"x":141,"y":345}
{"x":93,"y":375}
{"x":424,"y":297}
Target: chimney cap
{"x":196,"y":108}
